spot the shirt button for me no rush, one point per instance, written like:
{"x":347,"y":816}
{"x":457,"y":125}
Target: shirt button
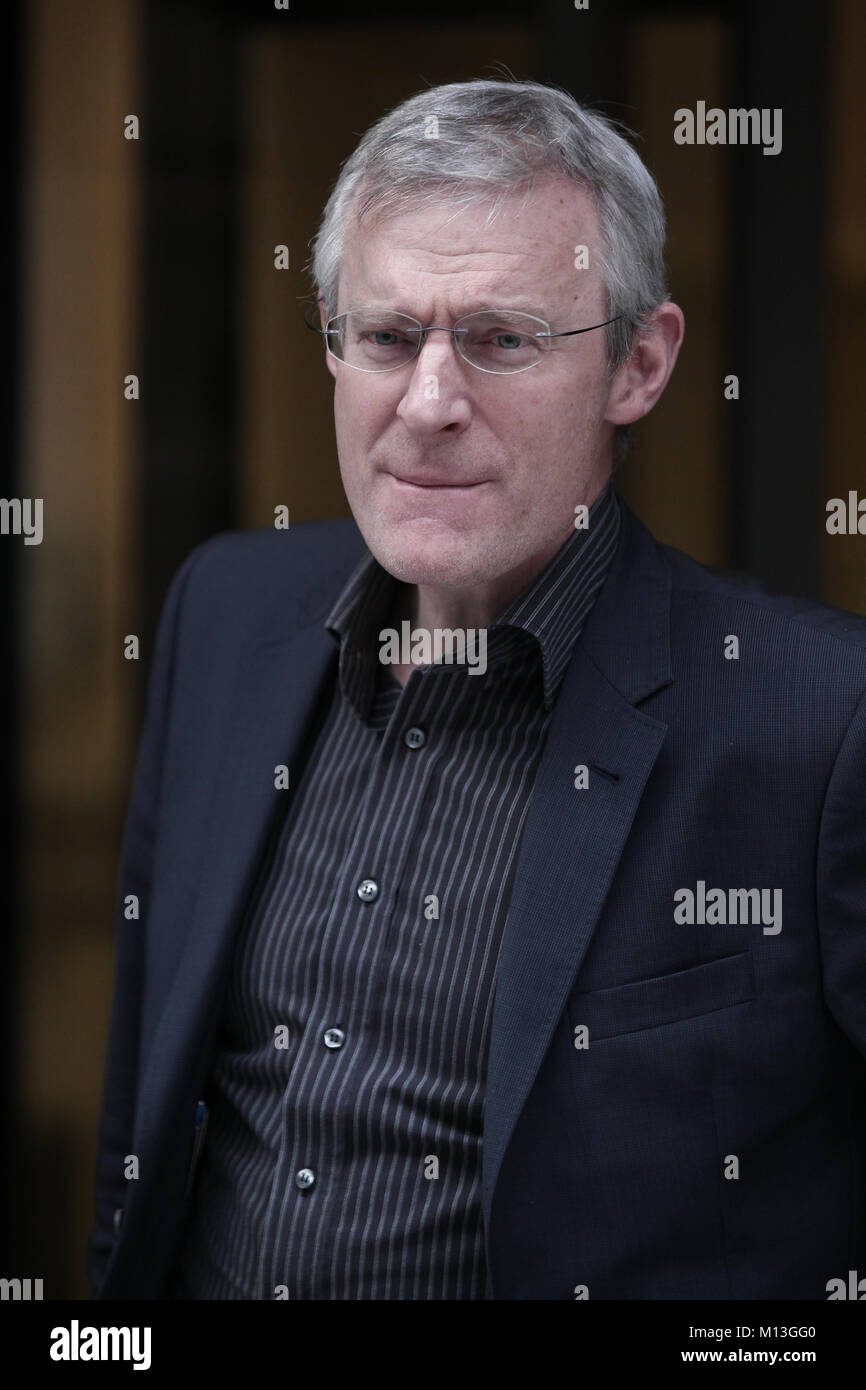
{"x":414,"y":738}
{"x":334,"y":1037}
{"x":368,"y":890}
{"x":118,"y":1220}
{"x":305,"y":1177}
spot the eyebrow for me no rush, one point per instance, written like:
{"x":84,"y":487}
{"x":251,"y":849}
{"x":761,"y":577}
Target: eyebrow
{"x":520,"y":301}
{"x":472,"y":306}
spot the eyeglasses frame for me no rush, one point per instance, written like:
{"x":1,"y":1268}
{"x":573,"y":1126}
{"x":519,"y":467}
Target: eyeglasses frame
{"x":422,"y":331}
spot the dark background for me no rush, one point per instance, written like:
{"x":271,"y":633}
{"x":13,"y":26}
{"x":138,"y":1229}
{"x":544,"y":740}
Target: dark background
{"x":155,"y":257}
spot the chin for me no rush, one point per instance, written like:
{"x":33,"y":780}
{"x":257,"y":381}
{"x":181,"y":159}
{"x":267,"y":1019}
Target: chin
{"x":415,"y":569}
{"x":431,"y":561}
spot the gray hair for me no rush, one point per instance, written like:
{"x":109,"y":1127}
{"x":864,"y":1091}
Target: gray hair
{"x":492,"y":139}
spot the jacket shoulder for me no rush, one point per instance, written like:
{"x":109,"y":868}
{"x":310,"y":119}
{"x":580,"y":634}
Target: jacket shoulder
{"x":262,"y":577}
{"x":802,"y":620}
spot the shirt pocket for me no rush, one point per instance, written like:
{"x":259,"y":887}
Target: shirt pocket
{"x":661,"y":999}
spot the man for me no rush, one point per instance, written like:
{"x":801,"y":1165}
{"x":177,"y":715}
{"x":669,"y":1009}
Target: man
{"x":531,"y":965}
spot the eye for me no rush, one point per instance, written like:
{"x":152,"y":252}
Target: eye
{"x":510,"y":341}
{"x":378,"y":336}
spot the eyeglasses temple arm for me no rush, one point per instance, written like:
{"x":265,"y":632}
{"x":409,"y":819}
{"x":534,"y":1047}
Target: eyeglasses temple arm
{"x":574,"y":331}
{"x":324,"y":332}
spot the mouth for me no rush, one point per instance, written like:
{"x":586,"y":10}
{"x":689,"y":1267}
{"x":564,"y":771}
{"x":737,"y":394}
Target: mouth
{"x":427,"y":484}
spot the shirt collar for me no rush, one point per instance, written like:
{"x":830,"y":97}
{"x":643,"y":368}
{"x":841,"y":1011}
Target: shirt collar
{"x":555,"y":606}
{"x":552,"y":610}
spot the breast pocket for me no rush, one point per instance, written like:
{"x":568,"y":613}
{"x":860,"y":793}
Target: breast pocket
{"x":661,"y":999}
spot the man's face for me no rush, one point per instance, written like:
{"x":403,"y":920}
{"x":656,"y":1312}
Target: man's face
{"x":471,"y":484}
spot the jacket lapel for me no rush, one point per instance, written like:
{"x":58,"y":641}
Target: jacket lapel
{"x":573,"y":839}
{"x":278,"y":690}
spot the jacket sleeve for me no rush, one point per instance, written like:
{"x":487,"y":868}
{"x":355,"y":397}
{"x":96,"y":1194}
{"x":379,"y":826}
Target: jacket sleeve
{"x":122,"y":1054}
{"x":841,"y":884}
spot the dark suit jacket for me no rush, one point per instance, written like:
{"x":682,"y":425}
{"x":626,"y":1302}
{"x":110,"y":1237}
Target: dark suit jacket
{"x":709,"y":1140}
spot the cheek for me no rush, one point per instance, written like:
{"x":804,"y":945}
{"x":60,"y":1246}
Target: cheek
{"x":557,"y":425}
{"x":361,"y":412}
{"x":579,"y":399}
{"x":556,"y":410}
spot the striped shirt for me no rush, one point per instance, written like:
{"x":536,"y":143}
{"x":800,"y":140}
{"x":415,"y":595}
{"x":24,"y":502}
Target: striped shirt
{"x":346,"y":1095}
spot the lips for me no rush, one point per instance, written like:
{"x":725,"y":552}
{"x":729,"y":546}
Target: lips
{"x":428,"y":482}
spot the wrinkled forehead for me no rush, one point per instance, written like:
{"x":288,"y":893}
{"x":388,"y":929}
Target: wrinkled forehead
{"x":534,"y":249}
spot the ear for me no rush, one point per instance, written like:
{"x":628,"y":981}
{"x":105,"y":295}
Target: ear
{"x":329,"y":360}
{"x":643,"y":377}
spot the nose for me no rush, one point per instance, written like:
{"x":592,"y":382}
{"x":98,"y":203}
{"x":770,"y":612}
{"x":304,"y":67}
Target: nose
{"x":436,"y":396}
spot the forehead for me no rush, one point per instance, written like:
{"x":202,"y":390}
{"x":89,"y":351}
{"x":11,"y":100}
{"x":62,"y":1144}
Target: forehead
{"x":451,"y":256}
